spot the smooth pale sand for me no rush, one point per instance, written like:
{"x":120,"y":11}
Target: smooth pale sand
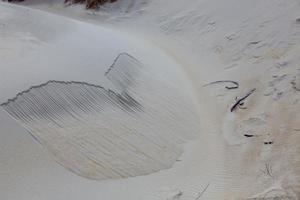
{"x":255,"y":43}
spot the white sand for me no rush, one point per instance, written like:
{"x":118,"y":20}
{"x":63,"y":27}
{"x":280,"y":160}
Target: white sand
{"x":253,"y":42}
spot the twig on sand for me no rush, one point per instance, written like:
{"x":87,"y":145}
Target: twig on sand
{"x":248,"y":135}
{"x":200,"y":195}
{"x":234,"y":86}
{"x":253,"y":43}
{"x":240,"y":102}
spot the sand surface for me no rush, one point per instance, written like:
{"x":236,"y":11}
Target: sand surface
{"x":250,"y":151}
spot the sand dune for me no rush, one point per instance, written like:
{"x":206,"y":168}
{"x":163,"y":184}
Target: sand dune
{"x":165,"y":124}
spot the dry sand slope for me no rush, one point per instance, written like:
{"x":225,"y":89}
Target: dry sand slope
{"x":206,"y":100}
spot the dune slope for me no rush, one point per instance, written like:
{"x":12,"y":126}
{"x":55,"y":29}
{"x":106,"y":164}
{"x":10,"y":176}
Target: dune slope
{"x":225,"y":74}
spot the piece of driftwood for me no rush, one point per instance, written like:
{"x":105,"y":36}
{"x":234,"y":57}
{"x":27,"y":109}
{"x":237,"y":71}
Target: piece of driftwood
{"x":234,"y":86}
{"x":240,"y":102}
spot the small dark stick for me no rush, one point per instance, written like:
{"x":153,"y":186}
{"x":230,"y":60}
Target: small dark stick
{"x":235,"y":84}
{"x":247,"y":135}
{"x":240,"y":101}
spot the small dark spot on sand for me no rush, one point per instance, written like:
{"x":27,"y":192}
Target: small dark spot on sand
{"x":266,"y":143}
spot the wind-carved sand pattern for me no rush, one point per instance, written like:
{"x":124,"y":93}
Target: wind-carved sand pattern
{"x":99,"y":133}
